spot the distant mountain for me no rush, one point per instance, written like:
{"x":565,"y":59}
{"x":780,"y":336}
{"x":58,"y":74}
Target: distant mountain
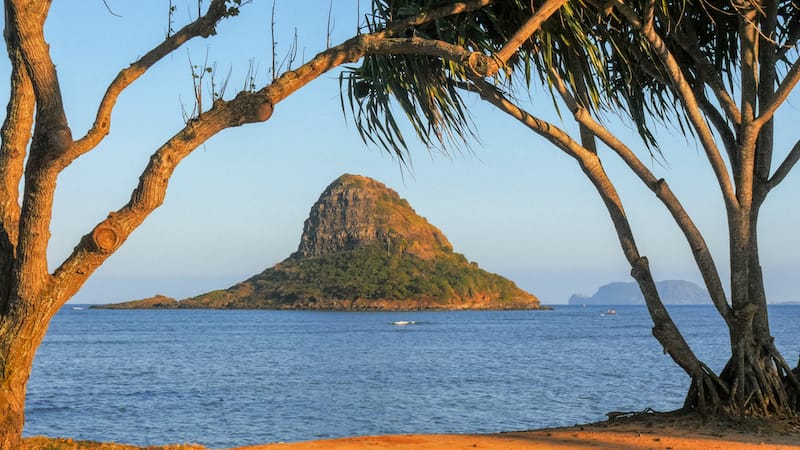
{"x":672,"y":292}
{"x":364,"y":248}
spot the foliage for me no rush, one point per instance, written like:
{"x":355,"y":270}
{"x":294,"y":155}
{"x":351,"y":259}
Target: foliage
{"x":428,"y":89}
{"x":587,"y":44}
{"x":367,"y":273}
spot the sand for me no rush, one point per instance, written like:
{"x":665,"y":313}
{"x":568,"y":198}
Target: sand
{"x":635,"y":432}
{"x":559,"y":440}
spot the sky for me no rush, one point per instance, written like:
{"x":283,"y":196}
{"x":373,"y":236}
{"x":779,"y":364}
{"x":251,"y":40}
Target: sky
{"x":513,"y":202}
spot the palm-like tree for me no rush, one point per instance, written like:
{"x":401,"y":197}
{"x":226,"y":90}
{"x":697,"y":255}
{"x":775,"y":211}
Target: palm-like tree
{"x":680,"y":63}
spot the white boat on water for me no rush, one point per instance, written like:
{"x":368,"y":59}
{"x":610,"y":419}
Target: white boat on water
{"x":402,"y":323}
{"x":77,"y":308}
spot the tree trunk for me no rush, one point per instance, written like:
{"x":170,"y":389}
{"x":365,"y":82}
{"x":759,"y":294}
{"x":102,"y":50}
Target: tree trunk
{"x":756,"y":380}
{"x":20,"y":334}
{"x":12,"y":413}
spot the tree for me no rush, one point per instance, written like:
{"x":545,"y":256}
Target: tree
{"x":38,"y":144}
{"x":680,"y":63}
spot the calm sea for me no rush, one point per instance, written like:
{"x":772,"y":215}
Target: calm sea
{"x":229,"y":378}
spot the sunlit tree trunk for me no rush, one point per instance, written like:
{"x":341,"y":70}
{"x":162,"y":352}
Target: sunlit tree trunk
{"x":21,"y":332}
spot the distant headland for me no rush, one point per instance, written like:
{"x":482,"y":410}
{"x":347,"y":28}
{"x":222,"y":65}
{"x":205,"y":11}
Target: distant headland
{"x":363,"y":248}
{"x":672,"y":292}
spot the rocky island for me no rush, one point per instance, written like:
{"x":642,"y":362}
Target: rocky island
{"x":363,"y":248}
{"x":672,"y":292}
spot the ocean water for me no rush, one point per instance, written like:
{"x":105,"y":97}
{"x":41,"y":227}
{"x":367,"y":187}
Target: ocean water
{"x":230,"y":378}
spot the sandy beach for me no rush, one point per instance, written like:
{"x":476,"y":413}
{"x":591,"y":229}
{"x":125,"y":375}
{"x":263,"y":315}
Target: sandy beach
{"x":632,"y":437}
{"x":561,"y":440}
{"x":637,"y":432}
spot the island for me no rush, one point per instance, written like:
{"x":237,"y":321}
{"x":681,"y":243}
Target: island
{"x":363,"y":247}
{"x":672,"y":292}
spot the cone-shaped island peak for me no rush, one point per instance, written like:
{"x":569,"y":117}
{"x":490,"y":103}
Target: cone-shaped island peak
{"x":364,"y":248}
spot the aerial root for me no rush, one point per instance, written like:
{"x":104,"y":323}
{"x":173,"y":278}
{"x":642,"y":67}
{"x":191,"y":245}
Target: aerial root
{"x":757,"y":386}
{"x":704,"y":392}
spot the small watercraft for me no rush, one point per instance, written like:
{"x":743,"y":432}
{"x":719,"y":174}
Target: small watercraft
{"x":401,"y":323}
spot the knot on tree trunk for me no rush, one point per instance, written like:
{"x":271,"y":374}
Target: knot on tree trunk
{"x":60,"y":139}
{"x":264,"y":111}
{"x":106,"y":238}
{"x":481,"y":65}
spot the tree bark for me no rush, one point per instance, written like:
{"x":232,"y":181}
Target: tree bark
{"x":21,"y":332}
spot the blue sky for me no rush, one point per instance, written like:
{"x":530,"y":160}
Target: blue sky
{"x":515,"y":204}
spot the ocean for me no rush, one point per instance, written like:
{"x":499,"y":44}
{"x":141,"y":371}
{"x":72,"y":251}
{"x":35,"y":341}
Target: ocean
{"x":231,"y":378}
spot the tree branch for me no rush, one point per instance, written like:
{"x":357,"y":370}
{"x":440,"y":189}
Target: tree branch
{"x":25,"y":29}
{"x":786,"y":166}
{"x":700,"y":251}
{"x":25,"y":24}
{"x":202,"y":27}
{"x":95,"y":247}
{"x":16,"y":134}
{"x":781,"y":94}
{"x":686,"y":95}
{"x":526,"y":31}
{"x":664,"y":330}
{"x":106,"y":237}
{"x":744,"y":172}
{"x":767,"y":76}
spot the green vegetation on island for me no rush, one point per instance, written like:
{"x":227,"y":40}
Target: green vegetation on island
{"x":370,"y":277}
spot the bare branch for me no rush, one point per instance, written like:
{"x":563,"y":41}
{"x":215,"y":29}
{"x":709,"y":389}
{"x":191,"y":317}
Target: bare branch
{"x":202,"y":27}
{"x":25,"y":33}
{"x":25,"y":25}
{"x":16,"y":134}
{"x":329,"y":26}
{"x":273,"y":43}
{"x":108,"y":235}
{"x":786,"y":166}
{"x":781,"y":94}
{"x":526,"y":31}
{"x":110,"y":11}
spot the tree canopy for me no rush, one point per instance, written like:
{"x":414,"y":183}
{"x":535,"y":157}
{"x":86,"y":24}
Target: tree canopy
{"x":681,"y":64}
